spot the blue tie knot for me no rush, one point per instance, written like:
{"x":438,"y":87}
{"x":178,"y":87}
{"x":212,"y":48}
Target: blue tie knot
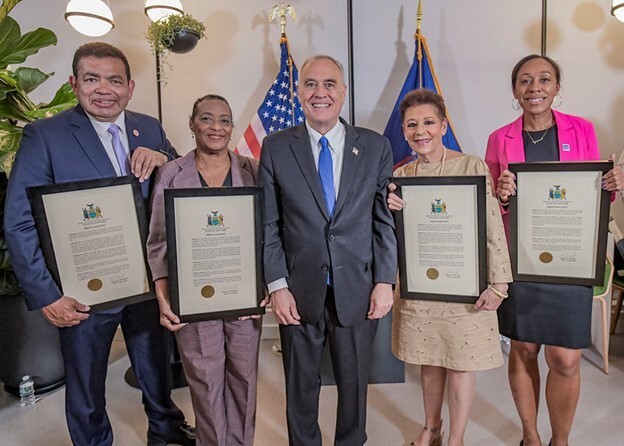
{"x":324,"y":143}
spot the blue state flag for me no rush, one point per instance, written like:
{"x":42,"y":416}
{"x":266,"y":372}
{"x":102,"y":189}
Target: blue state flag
{"x":421,"y":75}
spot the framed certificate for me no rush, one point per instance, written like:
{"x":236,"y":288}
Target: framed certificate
{"x":558,"y":222}
{"x":214,"y":242}
{"x":442,"y":238}
{"x":92,"y":234}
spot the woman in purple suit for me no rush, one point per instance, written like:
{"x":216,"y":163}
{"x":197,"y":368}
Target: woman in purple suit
{"x":220,"y":357}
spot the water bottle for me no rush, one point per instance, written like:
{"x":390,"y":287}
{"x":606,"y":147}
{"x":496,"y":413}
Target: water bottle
{"x":27,"y":391}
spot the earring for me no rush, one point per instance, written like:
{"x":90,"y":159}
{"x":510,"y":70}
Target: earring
{"x":515,"y":104}
{"x":192,"y":135}
{"x":560,"y":101}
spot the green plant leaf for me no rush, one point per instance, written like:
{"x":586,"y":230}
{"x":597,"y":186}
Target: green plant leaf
{"x":10,"y":137}
{"x":30,"y":78}
{"x":12,"y":108}
{"x":63,"y":99}
{"x":9,"y":31}
{"x":15,"y":51}
{"x":8,"y":78}
{"x":64,"y":96}
{"x":5,"y":89}
{"x":6,"y":7}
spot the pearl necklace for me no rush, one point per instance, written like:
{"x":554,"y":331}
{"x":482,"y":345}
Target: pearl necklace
{"x":535,"y":141}
{"x":442,"y":162}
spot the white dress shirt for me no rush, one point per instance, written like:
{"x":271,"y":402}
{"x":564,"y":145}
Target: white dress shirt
{"x":336,"y":137}
{"x":101,"y":128}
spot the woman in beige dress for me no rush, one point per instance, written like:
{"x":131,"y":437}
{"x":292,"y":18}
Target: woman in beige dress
{"x":450,"y":340}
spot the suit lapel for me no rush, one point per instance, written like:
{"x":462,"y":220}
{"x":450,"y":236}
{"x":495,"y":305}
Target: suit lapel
{"x":303,"y":154}
{"x":353,"y":153}
{"x":90,"y":142}
{"x":188,"y":175}
{"x":566,"y":138}
{"x":132,"y":130}
{"x":514,"y":144}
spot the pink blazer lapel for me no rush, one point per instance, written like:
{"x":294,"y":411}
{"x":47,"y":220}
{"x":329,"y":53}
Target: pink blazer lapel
{"x":566,"y":136}
{"x":514,"y":144}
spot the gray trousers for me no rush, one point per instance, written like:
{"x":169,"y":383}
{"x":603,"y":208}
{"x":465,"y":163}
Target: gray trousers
{"x":220,"y":360}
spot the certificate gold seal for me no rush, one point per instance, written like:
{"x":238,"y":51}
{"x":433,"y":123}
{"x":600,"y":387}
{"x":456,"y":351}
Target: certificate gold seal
{"x":433,"y":273}
{"x":94,"y":285}
{"x":207,"y":291}
{"x":546,"y":257}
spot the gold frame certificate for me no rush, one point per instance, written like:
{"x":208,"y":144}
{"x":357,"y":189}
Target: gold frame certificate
{"x":558,"y":222}
{"x":214,"y":243}
{"x":442,"y":238}
{"x":93,"y":235}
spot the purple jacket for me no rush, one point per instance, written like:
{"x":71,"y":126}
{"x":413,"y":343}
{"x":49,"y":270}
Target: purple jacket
{"x":177,"y":174}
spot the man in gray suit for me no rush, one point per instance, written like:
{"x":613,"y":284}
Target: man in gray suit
{"x":329,"y":251}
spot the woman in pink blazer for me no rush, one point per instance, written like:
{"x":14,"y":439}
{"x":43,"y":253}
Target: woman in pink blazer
{"x":555,"y":315}
{"x":220,"y":357}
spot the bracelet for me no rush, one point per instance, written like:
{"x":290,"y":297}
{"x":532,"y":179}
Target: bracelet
{"x":498,"y":292}
{"x":500,"y":202}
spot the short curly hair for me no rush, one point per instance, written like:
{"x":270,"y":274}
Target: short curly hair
{"x":423,"y":96}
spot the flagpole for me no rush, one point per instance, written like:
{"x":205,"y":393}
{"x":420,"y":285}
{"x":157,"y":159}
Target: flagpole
{"x":544,"y":25}
{"x":282,"y":11}
{"x":351,"y":81}
{"x":419,"y":16}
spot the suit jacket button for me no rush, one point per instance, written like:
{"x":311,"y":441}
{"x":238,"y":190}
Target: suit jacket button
{"x":324,"y":268}
{"x":332,"y":237}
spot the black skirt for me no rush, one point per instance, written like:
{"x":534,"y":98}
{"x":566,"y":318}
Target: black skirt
{"x":549,"y":314}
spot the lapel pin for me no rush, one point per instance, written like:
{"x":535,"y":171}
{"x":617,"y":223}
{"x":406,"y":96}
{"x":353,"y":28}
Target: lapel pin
{"x":565,"y":147}
{"x":355,"y":151}
{"x":135,"y":132}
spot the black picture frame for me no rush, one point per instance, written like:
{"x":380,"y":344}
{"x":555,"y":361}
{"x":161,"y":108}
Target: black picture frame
{"x":477,"y":184}
{"x":92,"y":187}
{"x":205,"y":199}
{"x":556,"y":170}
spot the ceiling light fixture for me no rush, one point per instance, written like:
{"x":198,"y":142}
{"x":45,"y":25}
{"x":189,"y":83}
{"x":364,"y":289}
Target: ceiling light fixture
{"x":89,"y":17}
{"x":160,"y":9}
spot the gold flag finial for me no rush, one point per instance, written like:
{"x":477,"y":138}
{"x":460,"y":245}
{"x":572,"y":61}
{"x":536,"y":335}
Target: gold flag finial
{"x":419,"y":16}
{"x":282,"y":11}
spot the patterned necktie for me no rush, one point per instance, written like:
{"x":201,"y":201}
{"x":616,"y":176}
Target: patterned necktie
{"x":326,"y":173}
{"x":120,"y":152}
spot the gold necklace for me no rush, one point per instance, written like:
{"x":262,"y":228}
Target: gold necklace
{"x":535,"y":141}
{"x":207,"y":177}
{"x":442,"y":162}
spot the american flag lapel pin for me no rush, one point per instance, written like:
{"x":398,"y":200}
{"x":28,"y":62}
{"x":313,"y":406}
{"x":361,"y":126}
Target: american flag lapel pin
{"x":355,"y":151}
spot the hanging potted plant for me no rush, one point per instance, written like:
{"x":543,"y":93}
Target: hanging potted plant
{"x":178,"y":33}
{"x":29,"y":345}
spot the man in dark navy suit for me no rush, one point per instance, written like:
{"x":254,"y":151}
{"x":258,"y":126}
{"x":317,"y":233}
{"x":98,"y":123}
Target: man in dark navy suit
{"x":98,"y":138}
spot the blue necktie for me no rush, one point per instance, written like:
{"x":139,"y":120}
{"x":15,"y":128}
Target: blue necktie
{"x":120,"y":152}
{"x":326,"y":173}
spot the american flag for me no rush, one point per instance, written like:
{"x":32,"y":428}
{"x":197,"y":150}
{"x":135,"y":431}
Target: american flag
{"x":279,"y":110}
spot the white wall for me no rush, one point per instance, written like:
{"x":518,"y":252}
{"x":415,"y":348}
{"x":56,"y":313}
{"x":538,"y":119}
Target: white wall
{"x":473,"y":46}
